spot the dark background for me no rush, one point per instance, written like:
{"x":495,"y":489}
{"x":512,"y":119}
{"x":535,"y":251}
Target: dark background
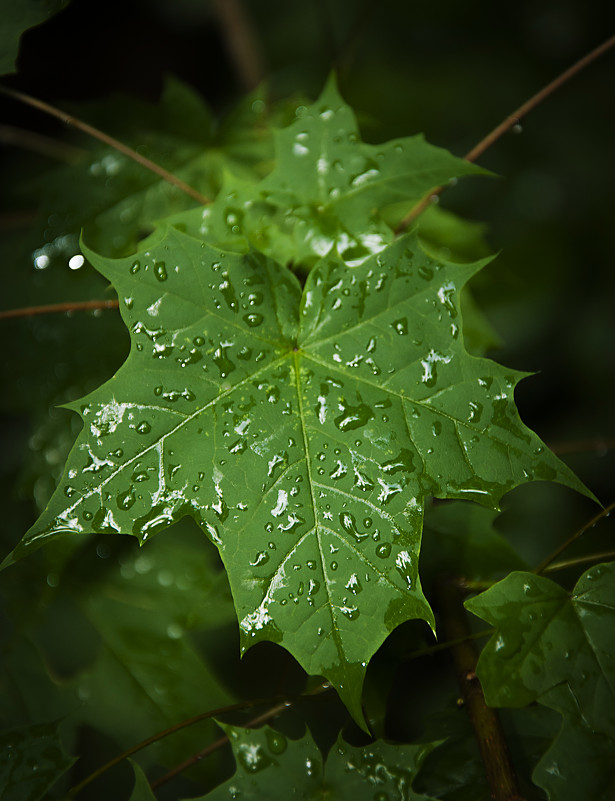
{"x":451,"y":70}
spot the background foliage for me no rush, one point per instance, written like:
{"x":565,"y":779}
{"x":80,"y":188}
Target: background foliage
{"x":120,"y":640}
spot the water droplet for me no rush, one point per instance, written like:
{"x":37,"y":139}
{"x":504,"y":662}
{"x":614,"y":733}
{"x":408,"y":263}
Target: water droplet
{"x":349,"y":524}
{"x":277,"y":742}
{"x":125,"y":499}
{"x":384,"y":550}
{"x":403,"y":461}
{"x":160,"y":271}
{"x":144,"y":427}
{"x":135,"y":267}
{"x":353,"y":416}
{"x":425,"y":272}
{"x":400,"y":326}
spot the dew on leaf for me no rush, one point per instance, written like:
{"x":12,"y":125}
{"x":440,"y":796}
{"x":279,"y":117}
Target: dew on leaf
{"x":349,"y":524}
{"x":125,"y":499}
{"x":135,"y":267}
{"x":143,"y":427}
{"x":384,"y":550}
{"x":160,"y":271}
{"x":400,"y":326}
{"x":353,"y":416}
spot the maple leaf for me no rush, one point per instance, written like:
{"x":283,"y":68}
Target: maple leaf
{"x":271,"y":765}
{"x":302,"y":430}
{"x":328,"y":191}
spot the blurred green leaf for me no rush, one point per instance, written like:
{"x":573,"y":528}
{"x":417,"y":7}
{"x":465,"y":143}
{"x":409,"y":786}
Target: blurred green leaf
{"x":33,"y":759}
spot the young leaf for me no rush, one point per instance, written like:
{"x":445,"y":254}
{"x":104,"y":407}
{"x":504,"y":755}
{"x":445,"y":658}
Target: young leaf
{"x":141,"y":790}
{"x":546,"y":637}
{"x":302,"y":432}
{"x":33,"y":759}
{"x":269,"y":765}
{"x":328,"y":191}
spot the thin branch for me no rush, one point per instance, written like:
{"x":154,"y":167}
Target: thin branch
{"x":580,"y":560}
{"x":599,"y":445}
{"x":241,"y":42}
{"x":596,"y":519}
{"x":38,"y":143}
{"x":222,"y":741}
{"x":222,"y":710}
{"x":485,"y":722}
{"x":508,"y":123}
{"x":55,"y":308}
{"x":108,"y":140}
{"x":444,"y":646}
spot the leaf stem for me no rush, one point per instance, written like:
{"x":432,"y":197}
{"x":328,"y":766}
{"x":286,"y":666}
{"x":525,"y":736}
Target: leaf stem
{"x":222,"y":741}
{"x":68,"y":119}
{"x":55,"y":308}
{"x":222,"y":710}
{"x":485,"y":722}
{"x":507,"y":124}
{"x":579,"y":533}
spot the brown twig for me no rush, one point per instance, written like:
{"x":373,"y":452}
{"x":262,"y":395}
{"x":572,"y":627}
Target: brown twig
{"x":579,"y":560}
{"x":55,"y":308}
{"x":222,"y":741}
{"x":508,"y":123}
{"x":485,"y":722}
{"x":600,"y":445}
{"x":37,"y":143}
{"x":579,"y":533}
{"x":241,"y":42}
{"x":108,"y":140}
{"x":222,"y":710}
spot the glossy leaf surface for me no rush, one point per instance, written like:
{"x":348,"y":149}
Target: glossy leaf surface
{"x":33,"y":759}
{"x":547,"y":637}
{"x":269,"y":765}
{"x":301,"y":431}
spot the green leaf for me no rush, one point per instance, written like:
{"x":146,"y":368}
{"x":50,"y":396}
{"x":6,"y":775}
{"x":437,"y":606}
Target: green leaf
{"x":321,"y":163}
{"x":269,"y":765}
{"x":546,"y":637}
{"x":17,"y":16}
{"x":302,"y":432}
{"x":141,"y":790}
{"x":579,"y":764}
{"x":33,"y":759}
{"x":328,"y":191}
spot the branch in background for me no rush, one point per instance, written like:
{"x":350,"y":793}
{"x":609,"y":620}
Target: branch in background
{"x":599,"y":445}
{"x":108,"y":140}
{"x":580,"y":560}
{"x":485,"y":722}
{"x":508,"y":123}
{"x":37,"y":143}
{"x":222,"y":741}
{"x":222,"y":710}
{"x":54,"y":308}
{"x":604,"y":513}
{"x":241,"y":42}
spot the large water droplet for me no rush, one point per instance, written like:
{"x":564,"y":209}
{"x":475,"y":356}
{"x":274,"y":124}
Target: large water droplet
{"x":160,"y":271}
